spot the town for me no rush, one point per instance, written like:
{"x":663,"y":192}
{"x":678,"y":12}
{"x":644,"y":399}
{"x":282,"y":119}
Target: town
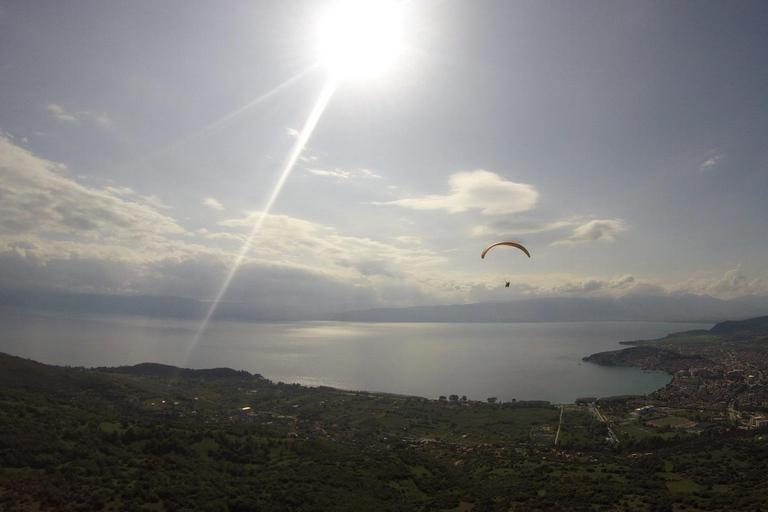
{"x":718,"y":381}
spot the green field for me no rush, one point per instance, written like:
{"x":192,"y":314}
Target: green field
{"x":669,"y":421}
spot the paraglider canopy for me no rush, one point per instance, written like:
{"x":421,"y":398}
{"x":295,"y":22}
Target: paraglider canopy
{"x":511,"y":244}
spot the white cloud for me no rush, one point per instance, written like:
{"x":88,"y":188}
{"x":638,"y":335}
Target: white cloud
{"x":120,"y":191}
{"x":410,"y":240}
{"x":60,"y":114}
{"x":594,"y":230}
{"x":343,"y":174}
{"x":593,"y":286}
{"x":731,"y":284}
{"x":711,"y":163}
{"x":308,"y":243}
{"x":99,"y":120}
{"x":367,"y":173}
{"x":155,"y":202}
{"x":58,"y":234}
{"x":213,"y":203}
{"x":338,"y":173}
{"x":37,"y":199}
{"x":477,"y":190}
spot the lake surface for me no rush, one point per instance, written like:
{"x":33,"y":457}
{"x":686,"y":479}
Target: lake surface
{"x":539,"y":361}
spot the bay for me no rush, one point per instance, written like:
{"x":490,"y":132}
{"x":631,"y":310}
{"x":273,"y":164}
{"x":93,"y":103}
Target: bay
{"x":533,"y":361}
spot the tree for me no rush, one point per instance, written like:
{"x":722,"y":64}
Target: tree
{"x":492,"y":399}
{"x":453,"y":398}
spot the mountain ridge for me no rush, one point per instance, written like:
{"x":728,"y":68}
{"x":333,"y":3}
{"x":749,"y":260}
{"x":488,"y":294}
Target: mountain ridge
{"x":661,"y":308}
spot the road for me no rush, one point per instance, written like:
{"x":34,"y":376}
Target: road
{"x":597,"y":414}
{"x":559,"y":425}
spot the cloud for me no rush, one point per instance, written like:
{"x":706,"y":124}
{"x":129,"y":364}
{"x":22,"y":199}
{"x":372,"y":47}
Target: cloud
{"x":101,"y":121}
{"x":477,"y":190}
{"x":36,"y":198}
{"x":410,"y":240}
{"x":711,"y":163}
{"x":367,"y":173}
{"x":591,"y":286}
{"x":341,"y":173}
{"x":553,"y":285}
{"x":594,"y":230}
{"x":58,"y":234}
{"x":338,"y":173}
{"x":213,"y":203}
{"x":120,"y":191}
{"x":62,"y":115}
{"x":733,"y":283}
{"x":310,"y":244}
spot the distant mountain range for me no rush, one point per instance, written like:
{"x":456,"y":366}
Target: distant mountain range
{"x":138,"y":305}
{"x":683,"y":308}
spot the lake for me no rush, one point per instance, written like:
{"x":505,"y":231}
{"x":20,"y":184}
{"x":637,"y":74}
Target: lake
{"x":540,"y":361}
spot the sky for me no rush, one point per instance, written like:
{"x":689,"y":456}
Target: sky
{"x":145,"y":150}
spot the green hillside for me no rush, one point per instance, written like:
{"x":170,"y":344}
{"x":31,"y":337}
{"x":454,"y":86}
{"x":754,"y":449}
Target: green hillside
{"x":152,"y":437}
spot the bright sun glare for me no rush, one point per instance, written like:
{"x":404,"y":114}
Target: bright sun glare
{"x":360,"y":39}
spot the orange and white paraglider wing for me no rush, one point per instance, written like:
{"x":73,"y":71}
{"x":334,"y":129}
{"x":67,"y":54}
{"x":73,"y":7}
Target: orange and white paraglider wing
{"x":511,"y":244}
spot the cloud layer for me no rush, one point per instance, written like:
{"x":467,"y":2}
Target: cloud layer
{"x":594,"y":230}
{"x":478,"y":190}
{"x":58,"y":234}
{"x":37,"y":198}
{"x":61,"y":235}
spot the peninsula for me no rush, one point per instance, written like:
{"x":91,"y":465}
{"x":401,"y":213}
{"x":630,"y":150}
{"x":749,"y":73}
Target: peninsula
{"x":720,"y":373}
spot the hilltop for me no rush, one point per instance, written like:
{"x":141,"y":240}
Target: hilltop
{"x":752,"y":326}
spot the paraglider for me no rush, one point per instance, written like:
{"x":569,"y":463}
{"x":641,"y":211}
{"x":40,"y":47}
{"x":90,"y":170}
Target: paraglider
{"x":511,"y":244}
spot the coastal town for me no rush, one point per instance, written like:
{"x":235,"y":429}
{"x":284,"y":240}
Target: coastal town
{"x":718,"y":381}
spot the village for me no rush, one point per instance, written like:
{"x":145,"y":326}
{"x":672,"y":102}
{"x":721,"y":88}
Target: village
{"x":717,"y":385}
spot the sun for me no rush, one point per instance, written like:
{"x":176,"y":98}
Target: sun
{"x":360,"y":39}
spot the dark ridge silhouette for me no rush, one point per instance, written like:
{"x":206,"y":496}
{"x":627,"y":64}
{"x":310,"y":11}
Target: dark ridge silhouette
{"x":164,"y":370}
{"x":757,"y":325}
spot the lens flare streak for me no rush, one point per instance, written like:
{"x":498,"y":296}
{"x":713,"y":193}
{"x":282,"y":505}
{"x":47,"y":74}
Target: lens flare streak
{"x":309,"y":126}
